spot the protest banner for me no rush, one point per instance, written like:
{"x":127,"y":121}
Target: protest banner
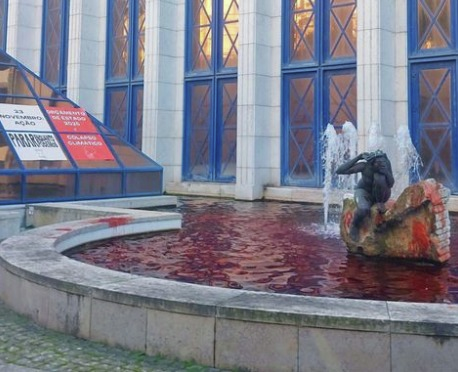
{"x":87,"y":146}
{"x":23,"y":118}
{"x":36,"y":146}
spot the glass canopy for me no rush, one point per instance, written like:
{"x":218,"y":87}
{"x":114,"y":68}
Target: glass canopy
{"x":53,"y":150}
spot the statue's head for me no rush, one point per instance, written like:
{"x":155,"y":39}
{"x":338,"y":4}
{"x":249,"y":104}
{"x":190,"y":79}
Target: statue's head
{"x":375,"y":154}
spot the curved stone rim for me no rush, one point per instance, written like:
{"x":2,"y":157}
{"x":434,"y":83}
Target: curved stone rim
{"x":63,"y":294}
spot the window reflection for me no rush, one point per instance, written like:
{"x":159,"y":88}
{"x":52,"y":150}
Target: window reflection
{"x":343,"y":22}
{"x":117,"y":111}
{"x":42,"y":89}
{"x":302,"y":38}
{"x":7,"y":159}
{"x":18,"y":100}
{"x":126,"y":68}
{"x":302,"y":156}
{"x":200,"y":105}
{"x":137,"y":183}
{"x":12,"y":82}
{"x":141,"y":38}
{"x":229,"y":129}
{"x":342,"y":98}
{"x":436,"y":123}
{"x":56,"y":103}
{"x":3,"y":22}
{"x":138,"y":94}
{"x":50,"y":186}
{"x":100,"y":184}
{"x":434,"y":24}
{"x":230,"y":33}
{"x":53,"y":40}
{"x":202,"y":35}
{"x":47,"y":164}
{"x":127,"y":155}
{"x":302,"y":101}
{"x":437,"y":167}
{"x":119,"y":38}
{"x":94,"y":164}
{"x":10,"y":187}
{"x":435,"y":93}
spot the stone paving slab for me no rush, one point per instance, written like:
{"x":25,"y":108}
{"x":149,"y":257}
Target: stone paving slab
{"x":27,"y":347}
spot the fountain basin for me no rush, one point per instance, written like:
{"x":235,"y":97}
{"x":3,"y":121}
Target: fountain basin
{"x":220,"y":327}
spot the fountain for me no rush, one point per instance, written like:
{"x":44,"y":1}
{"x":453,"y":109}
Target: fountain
{"x":409,"y":161}
{"x":427,"y":198}
{"x":229,"y":328}
{"x":269,"y":247}
{"x":336,"y":146}
{"x":259,"y":246}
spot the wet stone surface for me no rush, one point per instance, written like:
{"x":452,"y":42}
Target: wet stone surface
{"x":25,"y":346}
{"x":273,"y":247}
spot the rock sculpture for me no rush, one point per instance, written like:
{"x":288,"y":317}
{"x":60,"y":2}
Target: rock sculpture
{"x":415,"y":226}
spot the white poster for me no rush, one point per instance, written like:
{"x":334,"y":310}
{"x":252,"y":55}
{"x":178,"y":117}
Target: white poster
{"x":36,"y":146}
{"x":23,"y":118}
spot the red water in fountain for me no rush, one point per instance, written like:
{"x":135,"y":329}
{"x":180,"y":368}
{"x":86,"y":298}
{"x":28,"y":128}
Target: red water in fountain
{"x":273,"y":247}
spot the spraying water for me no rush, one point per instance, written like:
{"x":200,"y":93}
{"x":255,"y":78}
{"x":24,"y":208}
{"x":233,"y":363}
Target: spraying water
{"x":340,"y":147}
{"x":409,"y":159}
{"x":375,"y":140}
{"x":337,"y":148}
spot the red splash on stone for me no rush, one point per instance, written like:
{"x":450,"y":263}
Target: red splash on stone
{"x":415,"y":226}
{"x":347,"y":219}
{"x":420,"y":239}
{"x":115,"y":221}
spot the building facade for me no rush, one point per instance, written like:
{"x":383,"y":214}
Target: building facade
{"x":232,"y":97}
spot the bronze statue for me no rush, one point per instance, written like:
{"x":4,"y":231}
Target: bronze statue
{"x":374,"y":187}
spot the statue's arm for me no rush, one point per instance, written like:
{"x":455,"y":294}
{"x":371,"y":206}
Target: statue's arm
{"x":388,"y":173}
{"x":389,"y":176}
{"x":352,"y":166}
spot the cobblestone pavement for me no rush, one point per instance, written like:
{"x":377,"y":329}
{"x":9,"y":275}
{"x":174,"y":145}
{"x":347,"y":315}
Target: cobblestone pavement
{"x":27,"y":347}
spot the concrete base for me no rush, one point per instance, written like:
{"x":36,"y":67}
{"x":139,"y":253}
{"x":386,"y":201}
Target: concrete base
{"x":10,"y":223}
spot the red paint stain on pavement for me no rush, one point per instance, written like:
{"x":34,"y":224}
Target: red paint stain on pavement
{"x":115,"y":221}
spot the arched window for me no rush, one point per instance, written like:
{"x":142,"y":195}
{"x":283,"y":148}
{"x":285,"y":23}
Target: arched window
{"x":125,"y":69}
{"x":211,"y":90}
{"x":433,"y":59}
{"x":4,"y":22}
{"x":54,"y":51}
{"x":319,"y":82}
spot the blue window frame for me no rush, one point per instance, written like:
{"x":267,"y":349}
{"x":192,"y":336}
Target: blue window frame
{"x":54,"y":51}
{"x":319,"y":82}
{"x":4,"y":23}
{"x":433,"y":60}
{"x":211,"y":91}
{"x":125,"y":69}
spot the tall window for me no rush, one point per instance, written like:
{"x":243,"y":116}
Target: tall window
{"x":54,"y":49}
{"x":319,"y":82}
{"x":433,"y":59}
{"x":125,"y":69}
{"x":211,"y":90}
{"x":4,"y":22}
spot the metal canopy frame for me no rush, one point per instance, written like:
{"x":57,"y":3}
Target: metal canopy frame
{"x":53,"y":156}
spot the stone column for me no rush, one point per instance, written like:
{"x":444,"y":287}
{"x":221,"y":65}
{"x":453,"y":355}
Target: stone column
{"x":24,"y":32}
{"x":258,"y":109}
{"x":86,"y":54}
{"x":163,"y":85}
{"x":382,"y":74}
